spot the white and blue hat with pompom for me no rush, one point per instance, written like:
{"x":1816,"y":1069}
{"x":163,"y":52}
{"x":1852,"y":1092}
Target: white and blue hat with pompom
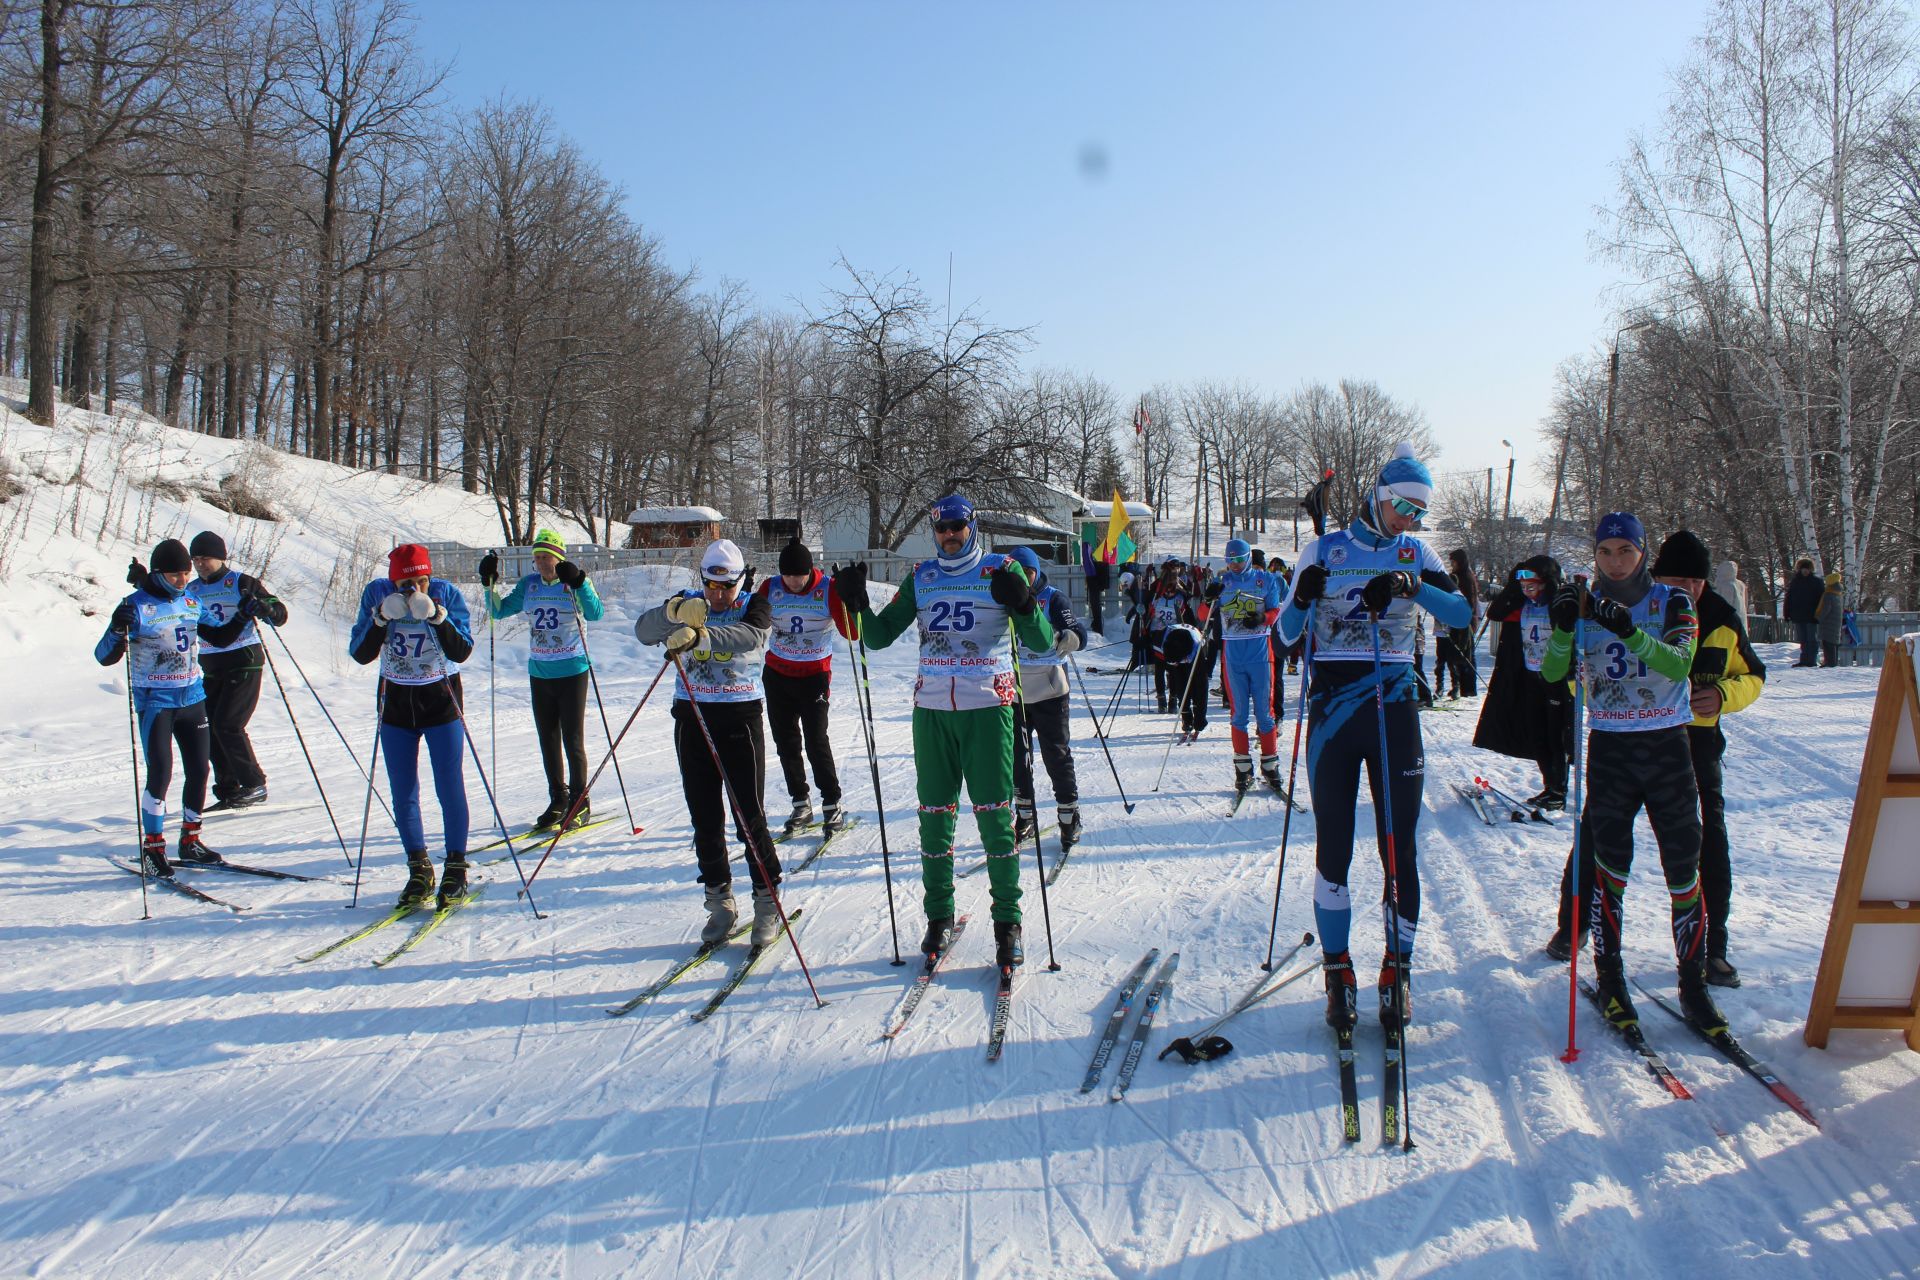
{"x":1405,"y":476}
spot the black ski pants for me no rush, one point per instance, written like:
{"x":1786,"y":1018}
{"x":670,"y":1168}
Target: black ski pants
{"x":161,"y":729}
{"x":560,"y":718}
{"x":233,"y":692}
{"x":1625,"y":773}
{"x":1708,"y":745}
{"x":797,"y":709}
{"x":742,"y":749}
{"x":1559,"y":740}
{"x":1195,"y":680}
{"x":1453,"y":652}
{"x":1051,"y":719}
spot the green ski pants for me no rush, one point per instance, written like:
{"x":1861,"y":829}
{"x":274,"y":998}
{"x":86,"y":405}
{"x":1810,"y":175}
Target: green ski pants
{"x":977,"y":746}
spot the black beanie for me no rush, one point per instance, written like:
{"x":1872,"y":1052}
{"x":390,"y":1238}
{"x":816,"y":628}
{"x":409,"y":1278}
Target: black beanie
{"x":170,"y":557}
{"x":795,"y":559}
{"x":1683,"y":555}
{"x":208,"y":543}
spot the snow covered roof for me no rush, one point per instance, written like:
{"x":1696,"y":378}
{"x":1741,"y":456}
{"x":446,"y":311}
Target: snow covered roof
{"x":1019,"y":522}
{"x":673,"y":515}
{"x":1104,"y":510}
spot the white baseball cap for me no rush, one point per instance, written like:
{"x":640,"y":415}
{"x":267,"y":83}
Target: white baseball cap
{"x":722,"y":562}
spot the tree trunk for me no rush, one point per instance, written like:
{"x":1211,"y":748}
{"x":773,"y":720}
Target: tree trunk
{"x":40,"y":320}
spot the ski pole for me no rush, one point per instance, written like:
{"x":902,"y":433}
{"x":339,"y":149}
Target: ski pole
{"x":1392,"y":899}
{"x":1039,"y":859}
{"x":302,"y":739}
{"x":605,"y":728}
{"x":133,"y":753}
{"x":366,"y":806}
{"x":1293,"y":772}
{"x":740,"y":817}
{"x":1098,"y":733}
{"x":1574,"y":887}
{"x":863,"y":699}
{"x":466,"y":732}
{"x":582,"y":797}
{"x":337,"y":732}
{"x":493,"y":689}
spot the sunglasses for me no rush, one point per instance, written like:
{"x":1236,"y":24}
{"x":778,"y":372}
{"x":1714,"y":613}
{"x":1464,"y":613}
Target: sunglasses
{"x":712,"y":581}
{"x":1411,"y":510}
{"x":949,"y":526}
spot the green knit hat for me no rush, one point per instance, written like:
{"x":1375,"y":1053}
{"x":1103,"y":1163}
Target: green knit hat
{"x":548,"y":540}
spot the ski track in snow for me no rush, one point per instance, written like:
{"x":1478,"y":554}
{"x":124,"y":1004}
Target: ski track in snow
{"x":180,"y":1097}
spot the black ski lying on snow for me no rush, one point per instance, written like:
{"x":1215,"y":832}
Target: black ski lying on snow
{"x":242,"y":869}
{"x":1349,"y":1084}
{"x":1137,"y":1047}
{"x":174,"y":884}
{"x":1116,"y":1020}
{"x":1736,"y":1053}
{"x":1002,"y":1016}
{"x":1476,"y":801}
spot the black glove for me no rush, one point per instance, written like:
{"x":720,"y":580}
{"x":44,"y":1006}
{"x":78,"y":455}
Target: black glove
{"x":1383,"y":588}
{"x":1011,"y":589}
{"x":250,"y":606}
{"x":850,"y":584}
{"x":1214,"y":589}
{"x":1565,"y":609}
{"x":489,"y":569}
{"x":1311,"y":585}
{"x":123,"y":619}
{"x":571,"y":574}
{"x":1615,"y":617}
{"x":136,"y":573}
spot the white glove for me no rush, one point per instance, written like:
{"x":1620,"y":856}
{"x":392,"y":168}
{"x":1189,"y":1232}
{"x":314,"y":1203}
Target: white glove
{"x":426,"y":609}
{"x":688,"y":611}
{"x":394,"y":607}
{"x":681,"y":639}
{"x":1066,"y":642}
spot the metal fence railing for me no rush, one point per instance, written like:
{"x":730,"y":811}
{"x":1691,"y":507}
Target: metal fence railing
{"x":1875,"y":630}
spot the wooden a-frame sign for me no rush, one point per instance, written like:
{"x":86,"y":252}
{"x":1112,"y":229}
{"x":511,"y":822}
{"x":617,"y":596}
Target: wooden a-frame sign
{"x":1870,"y":970}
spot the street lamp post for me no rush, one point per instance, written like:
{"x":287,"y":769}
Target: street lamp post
{"x":1606,"y":433}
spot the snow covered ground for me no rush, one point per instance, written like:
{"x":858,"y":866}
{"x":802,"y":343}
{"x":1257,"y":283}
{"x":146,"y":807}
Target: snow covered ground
{"x":180,"y":1097}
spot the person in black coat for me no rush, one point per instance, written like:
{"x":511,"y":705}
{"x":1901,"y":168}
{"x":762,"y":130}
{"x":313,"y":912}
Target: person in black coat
{"x":1523,"y":715}
{"x":1803,"y":611}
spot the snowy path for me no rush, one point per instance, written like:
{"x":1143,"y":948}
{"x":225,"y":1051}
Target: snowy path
{"x":181,"y":1098}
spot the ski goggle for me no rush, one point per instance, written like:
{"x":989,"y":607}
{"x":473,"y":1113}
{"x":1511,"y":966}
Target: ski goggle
{"x":721,"y":579}
{"x":950,"y":526}
{"x":1526,"y":575}
{"x":1239,"y":562}
{"x":1411,"y":510}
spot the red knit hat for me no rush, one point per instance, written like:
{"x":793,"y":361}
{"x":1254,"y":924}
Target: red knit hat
{"x":408,"y":560}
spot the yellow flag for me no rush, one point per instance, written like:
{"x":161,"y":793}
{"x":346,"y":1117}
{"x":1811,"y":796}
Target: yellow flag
{"x":1116,"y":529}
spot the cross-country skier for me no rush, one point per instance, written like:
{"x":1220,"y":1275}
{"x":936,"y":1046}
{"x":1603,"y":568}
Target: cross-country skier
{"x":1043,"y":695}
{"x":964,"y":600}
{"x":1190,"y":654}
{"x":157,"y":628}
{"x":720,"y":630}
{"x":1372,"y":574}
{"x":805,"y":611}
{"x":1247,"y":602}
{"x":557,"y":598}
{"x":1726,"y":676}
{"x":1524,"y":715}
{"x":416,"y":624}
{"x":231,"y":659}
{"x":1639,"y":639}
{"x":1169,"y":602}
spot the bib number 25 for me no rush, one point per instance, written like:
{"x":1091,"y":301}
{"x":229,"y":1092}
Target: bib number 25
{"x":951,"y":615}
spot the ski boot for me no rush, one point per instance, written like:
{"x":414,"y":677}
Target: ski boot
{"x":1026,"y":827}
{"x":1720,"y":973}
{"x":722,"y":915}
{"x":191,"y":849}
{"x":1343,"y":1006}
{"x":1697,"y":1004}
{"x":1615,"y":1004}
{"x":418,"y":890}
{"x":1393,"y":970}
{"x":766,"y":919}
{"x":453,"y":881}
{"x":1560,"y":946}
{"x":153,"y":854}
{"x":1270,"y":774}
{"x":1069,"y":826}
{"x":1006,"y":945}
{"x":581,"y":816}
{"x":833,"y":818}
{"x":1242,"y":773}
{"x":938,"y":937}
{"x":801,"y":816}
{"x":247,"y":797}
{"x":223,"y":802}
{"x":549,"y":817}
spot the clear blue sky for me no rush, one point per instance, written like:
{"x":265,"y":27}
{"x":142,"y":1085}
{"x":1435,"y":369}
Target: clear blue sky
{"x":1291,"y":191}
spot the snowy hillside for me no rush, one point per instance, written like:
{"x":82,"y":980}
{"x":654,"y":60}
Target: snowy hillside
{"x":182,"y":1097}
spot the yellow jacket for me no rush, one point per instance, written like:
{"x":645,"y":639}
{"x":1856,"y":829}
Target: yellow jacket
{"x":1725,"y":659}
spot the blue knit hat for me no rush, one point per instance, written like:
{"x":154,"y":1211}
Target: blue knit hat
{"x":1621,"y":524}
{"x":1027,"y":559}
{"x":1239,"y":549}
{"x":1405,"y":476}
